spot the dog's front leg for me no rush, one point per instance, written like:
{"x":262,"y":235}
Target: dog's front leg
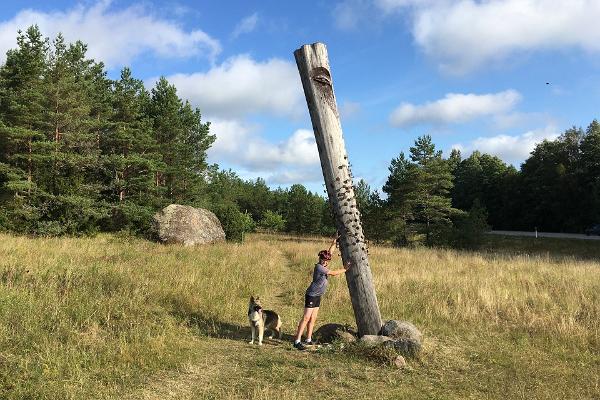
{"x":253,"y":333}
{"x":261,"y":332}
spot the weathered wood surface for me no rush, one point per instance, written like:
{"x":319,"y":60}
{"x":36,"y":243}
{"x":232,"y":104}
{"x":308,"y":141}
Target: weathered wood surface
{"x":313,"y":65}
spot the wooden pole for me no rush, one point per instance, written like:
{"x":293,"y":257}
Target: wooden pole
{"x":313,"y":65}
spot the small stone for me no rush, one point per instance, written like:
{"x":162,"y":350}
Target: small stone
{"x":400,"y":362}
{"x":347,"y":337}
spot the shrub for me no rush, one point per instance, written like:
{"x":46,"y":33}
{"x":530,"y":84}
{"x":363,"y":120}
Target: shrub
{"x":235,"y":223}
{"x":272,"y":222}
{"x":470,"y":228}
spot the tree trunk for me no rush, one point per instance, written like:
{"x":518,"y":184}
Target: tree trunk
{"x":313,"y":65}
{"x":29,"y":168}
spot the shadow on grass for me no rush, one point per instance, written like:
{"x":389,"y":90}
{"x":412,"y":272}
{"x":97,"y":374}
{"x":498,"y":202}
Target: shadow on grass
{"x":215,"y":328}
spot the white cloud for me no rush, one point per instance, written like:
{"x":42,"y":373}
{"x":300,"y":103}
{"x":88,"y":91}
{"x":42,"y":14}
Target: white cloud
{"x":246,"y":25}
{"x":454,"y":108}
{"x":293,"y":160}
{"x":115,"y":37}
{"x":512,"y":149}
{"x":298,"y":176}
{"x":242,"y":86}
{"x":464,"y":35}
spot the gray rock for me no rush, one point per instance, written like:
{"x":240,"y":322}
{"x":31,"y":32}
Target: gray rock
{"x":401,"y":330}
{"x":406,"y":347}
{"x":329,"y":333}
{"x":374,"y":340}
{"x":187,"y":225}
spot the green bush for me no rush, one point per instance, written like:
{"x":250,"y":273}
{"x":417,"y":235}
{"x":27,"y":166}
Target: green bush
{"x":133,"y":218}
{"x":235,"y":223}
{"x":272,"y":222}
{"x":469,"y":229}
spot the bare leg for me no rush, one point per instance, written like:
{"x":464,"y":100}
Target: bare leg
{"x":303,"y":322}
{"x":311,"y":322}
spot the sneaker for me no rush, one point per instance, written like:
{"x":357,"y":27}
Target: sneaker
{"x":308,"y":342}
{"x":299,"y":346}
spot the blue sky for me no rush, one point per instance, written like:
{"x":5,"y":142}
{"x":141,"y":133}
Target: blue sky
{"x":473,"y":74}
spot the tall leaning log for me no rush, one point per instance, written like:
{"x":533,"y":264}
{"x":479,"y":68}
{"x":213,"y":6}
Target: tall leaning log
{"x":313,"y":65}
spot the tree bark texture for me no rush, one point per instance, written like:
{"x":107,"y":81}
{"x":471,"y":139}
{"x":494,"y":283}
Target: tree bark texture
{"x":313,"y":65}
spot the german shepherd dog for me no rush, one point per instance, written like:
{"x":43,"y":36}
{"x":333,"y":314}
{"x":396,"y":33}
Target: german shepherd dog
{"x":261,"y":319}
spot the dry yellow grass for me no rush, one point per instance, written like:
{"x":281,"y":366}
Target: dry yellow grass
{"x":115,"y":317}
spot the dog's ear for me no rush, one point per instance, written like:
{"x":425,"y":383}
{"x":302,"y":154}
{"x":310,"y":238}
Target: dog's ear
{"x":251,"y":298}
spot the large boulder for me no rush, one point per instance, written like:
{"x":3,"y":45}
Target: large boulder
{"x":406,"y":347}
{"x":329,"y":333}
{"x":401,"y":330}
{"x":187,"y":225}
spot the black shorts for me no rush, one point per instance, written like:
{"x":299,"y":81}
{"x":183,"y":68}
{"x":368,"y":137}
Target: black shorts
{"x":312,"y":301}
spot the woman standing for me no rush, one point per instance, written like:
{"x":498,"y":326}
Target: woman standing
{"x":312,"y":299}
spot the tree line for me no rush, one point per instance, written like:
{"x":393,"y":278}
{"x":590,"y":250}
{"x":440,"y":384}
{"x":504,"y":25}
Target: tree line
{"x":81,"y":153}
{"x":451,"y":200}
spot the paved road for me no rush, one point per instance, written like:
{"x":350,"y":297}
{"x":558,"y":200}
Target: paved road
{"x":546,"y":234}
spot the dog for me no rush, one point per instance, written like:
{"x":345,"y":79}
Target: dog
{"x":261,"y":319}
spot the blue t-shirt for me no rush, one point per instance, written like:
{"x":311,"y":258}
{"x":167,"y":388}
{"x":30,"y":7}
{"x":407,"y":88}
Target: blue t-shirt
{"x":319,"y":283}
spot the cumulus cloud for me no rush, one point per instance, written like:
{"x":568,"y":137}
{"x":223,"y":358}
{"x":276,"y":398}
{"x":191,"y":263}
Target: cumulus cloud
{"x":454,"y":108}
{"x":292,"y":160}
{"x":246,"y":25}
{"x":512,"y":149}
{"x":298,"y":176}
{"x":242,"y":86}
{"x":114,"y":36}
{"x":464,"y":35}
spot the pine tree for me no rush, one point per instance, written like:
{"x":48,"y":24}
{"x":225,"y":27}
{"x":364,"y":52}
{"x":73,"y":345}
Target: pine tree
{"x":74,"y":202}
{"x":130,"y":157}
{"x":191,"y":148}
{"x":183,"y":140}
{"x":24,"y":148}
{"x":419,"y":189}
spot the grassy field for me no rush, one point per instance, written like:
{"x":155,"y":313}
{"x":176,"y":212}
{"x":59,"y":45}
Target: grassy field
{"x":113,"y":317}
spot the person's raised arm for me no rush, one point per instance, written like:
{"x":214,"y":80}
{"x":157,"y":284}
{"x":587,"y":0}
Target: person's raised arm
{"x":332,"y":247}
